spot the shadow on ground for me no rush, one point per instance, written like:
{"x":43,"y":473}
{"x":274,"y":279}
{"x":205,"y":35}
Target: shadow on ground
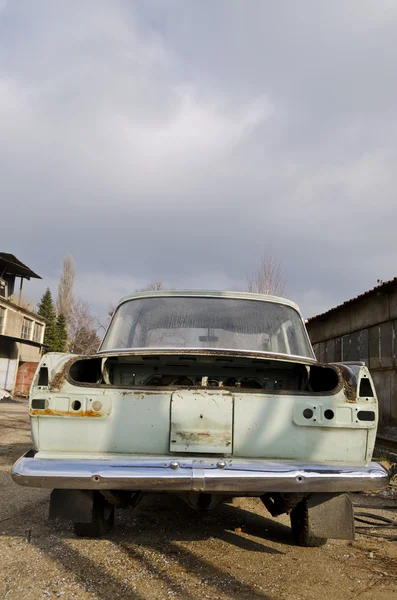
{"x":162,"y":525}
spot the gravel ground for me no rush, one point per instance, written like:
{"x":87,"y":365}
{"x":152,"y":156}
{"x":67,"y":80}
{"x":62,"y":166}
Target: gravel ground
{"x":165,"y":550}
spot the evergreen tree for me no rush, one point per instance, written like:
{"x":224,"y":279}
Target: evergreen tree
{"x":61,"y":334}
{"x":46,"y":309}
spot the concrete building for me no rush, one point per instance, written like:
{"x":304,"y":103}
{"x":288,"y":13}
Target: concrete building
{"x":364,"y":329}
{"x":21,"y":330}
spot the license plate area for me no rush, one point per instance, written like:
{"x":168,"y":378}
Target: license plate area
{"x":201,"y":421}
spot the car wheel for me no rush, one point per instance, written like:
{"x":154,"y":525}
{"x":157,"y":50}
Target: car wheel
{"x":300,"y":526}
{"x":102,"y":519}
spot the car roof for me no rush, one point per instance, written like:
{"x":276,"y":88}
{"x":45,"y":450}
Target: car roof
{"x":210,"y":294}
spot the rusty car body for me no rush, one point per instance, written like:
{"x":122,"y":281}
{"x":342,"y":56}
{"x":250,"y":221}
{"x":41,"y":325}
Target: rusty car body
{"x":209,"y":395}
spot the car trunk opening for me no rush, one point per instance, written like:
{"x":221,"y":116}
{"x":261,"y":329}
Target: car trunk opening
{"x":189,"y":370}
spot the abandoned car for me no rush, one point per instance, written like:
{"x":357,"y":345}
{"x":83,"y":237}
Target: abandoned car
{"x":208,"y":395}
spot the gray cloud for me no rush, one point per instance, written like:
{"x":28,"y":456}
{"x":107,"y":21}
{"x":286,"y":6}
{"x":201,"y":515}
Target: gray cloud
{"x":152,"y":140}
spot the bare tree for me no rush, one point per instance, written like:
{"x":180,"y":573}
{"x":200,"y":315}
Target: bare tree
{"x":102,"y":323}
{"x":65,"y":301}
{"x":24,"y":303}
{"x":83,"y":338}
{"x":153,"y":286}
{"x":268,"y":278}
{"x":85,"y":341}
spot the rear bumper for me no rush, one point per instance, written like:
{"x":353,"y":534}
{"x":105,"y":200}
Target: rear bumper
{"x":168,"y":474}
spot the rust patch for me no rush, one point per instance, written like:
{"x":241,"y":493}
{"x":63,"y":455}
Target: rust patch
{"x":349,"y":383}
{"x":58,"y":380}
{"x":140,"y":393}
{"x":198,"y":436}
{"x":36,"y":412}
{"x":188,"y":435}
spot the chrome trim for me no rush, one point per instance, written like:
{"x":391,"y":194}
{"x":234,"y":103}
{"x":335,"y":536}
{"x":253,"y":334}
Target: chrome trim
{"x":203,"y":351}
{"x":241,"y":476}
{"x":208,"y":294}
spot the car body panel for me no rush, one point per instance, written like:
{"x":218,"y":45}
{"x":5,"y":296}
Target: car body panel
{"x":132,"y":405}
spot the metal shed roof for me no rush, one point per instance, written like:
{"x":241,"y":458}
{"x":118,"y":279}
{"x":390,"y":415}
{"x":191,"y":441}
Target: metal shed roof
{"x":383,"y":287}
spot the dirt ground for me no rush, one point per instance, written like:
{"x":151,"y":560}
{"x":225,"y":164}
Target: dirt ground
{"x":164,"y":549}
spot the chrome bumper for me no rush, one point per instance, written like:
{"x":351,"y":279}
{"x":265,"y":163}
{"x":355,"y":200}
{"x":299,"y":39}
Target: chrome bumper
{"x":234,"y":476}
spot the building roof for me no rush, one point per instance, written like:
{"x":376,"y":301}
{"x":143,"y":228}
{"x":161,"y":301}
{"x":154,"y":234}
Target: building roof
{"x":10,"y":265}
{"x":383,"y":287}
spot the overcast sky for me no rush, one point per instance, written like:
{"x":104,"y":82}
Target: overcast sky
{"x":179,"y":139}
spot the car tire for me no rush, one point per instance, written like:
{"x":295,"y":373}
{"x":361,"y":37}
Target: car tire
{"x":300,"y":526}
{"x":102,"y":519}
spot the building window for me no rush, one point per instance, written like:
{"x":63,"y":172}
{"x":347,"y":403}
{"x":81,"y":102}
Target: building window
{"x":320,"y":352}
{"x":363,"y":346}
{"x":37,"y":328}
{"x":386,"y":344}
{"x":333,"y":350}
{"x":330,"y":350}
{"x":338,"y":349}
{"x":26,"y":329}
{"x":350,"y":347}
{"x":395,"y":342}
{"x":2,"y":318}
{"x":374,"y":347}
